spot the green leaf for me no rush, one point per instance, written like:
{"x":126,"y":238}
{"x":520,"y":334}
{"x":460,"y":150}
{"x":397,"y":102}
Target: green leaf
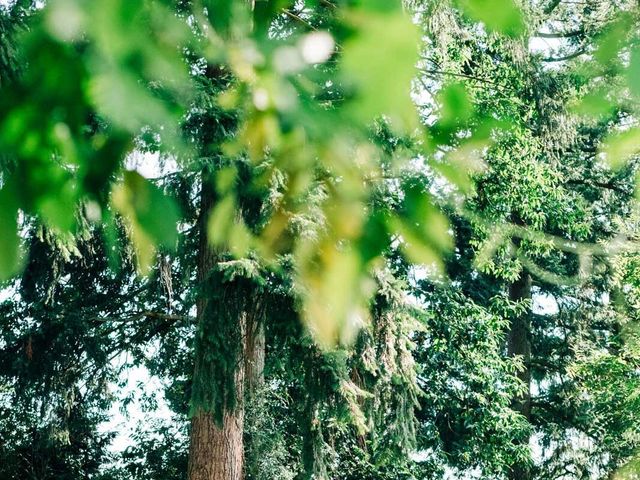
{"x":225,"y":179}
{"x":613,"y":40}
{"x":120,"y":97}
{"x":333,"y":314}
{"x":633,"y":73}
{"x":9,"y":239}
{"x":416,"y":249}
{"x":429,"y":225}
{"x":375,"y":238}
{"x":455,"y":105}
{"x":264,"y":12}
{"x":150,"y":215}
{"x":221,"y":220}
{"x":156,"y":213}
{"x":368,"y":61}
{"x":595,"y":104}
{"x":378,"y":5}
{"x":620,"y":147}
{"x":225,"y":228}
{"x":58,"y":206}
{"x":502,"y":16}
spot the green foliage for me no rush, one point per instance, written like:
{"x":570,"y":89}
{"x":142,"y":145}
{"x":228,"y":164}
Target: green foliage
{"x":302,"y":100}
{"x":502,"y":16}
{"x":151,"y":216}
{"x":367,"y":62}
{"x":219,"y":348}
{"x":10,"y":242}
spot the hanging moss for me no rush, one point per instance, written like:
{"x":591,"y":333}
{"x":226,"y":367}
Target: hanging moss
{"x":219,"y":346}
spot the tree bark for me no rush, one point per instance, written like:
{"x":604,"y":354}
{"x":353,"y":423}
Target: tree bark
{"x":215,"y":451}
{"x":519,"y":344}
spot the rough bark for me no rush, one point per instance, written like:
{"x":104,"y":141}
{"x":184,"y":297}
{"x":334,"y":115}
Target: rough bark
{"x":519,"y":344}
{"x":215,"y":451}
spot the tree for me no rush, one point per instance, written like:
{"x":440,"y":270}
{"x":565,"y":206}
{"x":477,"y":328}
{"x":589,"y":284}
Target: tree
{"x":541,"y":176}
{"x":279,"y":257}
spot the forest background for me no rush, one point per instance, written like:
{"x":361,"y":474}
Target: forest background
{"x":335,"y":239}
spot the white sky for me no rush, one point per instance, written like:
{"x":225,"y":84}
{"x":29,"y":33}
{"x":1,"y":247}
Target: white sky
{"x":124,"y":423}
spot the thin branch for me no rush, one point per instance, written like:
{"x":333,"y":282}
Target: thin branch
{"x":574,"y":33}
{"x":570,"y":56}
{"x":606,"y":185}
{"x":462,"y":75}
{"x":299,"y":19}
{"x":552,"y":6}
{"x":147,"y":314}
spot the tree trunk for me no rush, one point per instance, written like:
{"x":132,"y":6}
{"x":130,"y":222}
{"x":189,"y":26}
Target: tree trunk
{"x":254,"y":348}
{"x":519,"y":341}
{"x":519,"y":344}
{"x":216,"y":449}
{"x":216,"y":453}
{"x":254,"y":358}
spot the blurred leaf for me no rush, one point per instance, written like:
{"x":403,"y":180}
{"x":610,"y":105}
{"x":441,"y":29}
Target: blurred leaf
{"x":150,"y":215}
{"x":375,"y":237}
{"x":502,"y":16}
{"x":455,"y":105}
{"x":119,"y":96}
{"x":226,"y":229}
{"x":58,"y":206}
{"x":221,"y":220}
{"x":9,"y":239}
{"x":65,"y":19}
{"x":595,"y":104}
{"x":633,"y":73}
{"x":382,"y":70}
{"x":264,"y":12}
{"x":424,"y":230}
{"x":225,"y":179}
{"x":416,"y":249}
{"x":220,"y":14}
{"x":629,"y":471}
{"x":156,"y":212}
{"x":613,"y":39}
{"x":239,"y":239}
{"x":138,"y":69}
{"x":618,"y":148}
{"x":333,"y":314}
{"x":460,"y":164}
{"x":420,"y":215}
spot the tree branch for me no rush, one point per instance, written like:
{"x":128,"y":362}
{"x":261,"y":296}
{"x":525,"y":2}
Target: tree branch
{"x":574,"y":33}
{"x":606,"y":185}
{"x":552,"y":6}
{"x":575,"y":54}
{"x":147,"y":314}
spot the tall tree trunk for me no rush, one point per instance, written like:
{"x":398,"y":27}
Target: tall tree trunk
{"x":216,"y":453}
{"x":519,"y":344}
{"x":216,"y":448}
{"x":254,"y":347}
{"x":254,"y":358}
